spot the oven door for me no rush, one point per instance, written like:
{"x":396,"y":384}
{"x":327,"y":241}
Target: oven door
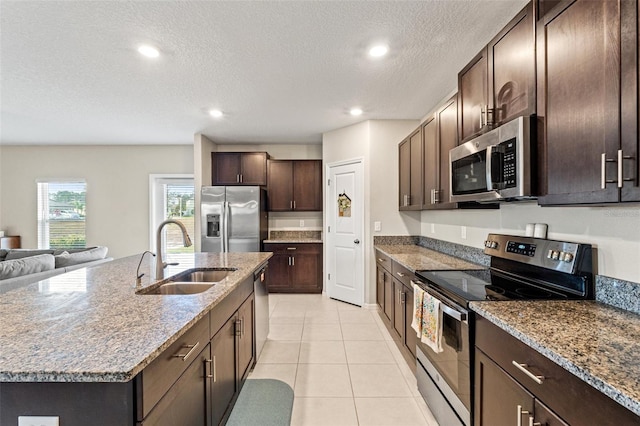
{"x":449,"y":370}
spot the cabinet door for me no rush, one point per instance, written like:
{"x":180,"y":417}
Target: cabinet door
{"x":579,"y":100}
{"x":307,"y":185}
{"x":224,"y":382}
{"x":380,"y":287}
{"x":447,"y":118}
{"x":544,"y":416}
{"x":304,"y":272}
{"x":472,"y":96}
{"x":278,"y":279}
{"x":389,"y":301}
{"x":497,"y":396}
{"x":410,"y":168}
{"x":431,"y":163}
{"x":253,"y":168}
{"x":398,"y":313}
{"x":411,"y":336}
{"x":245,"y":338}
{"x":280,"y":192}
{"x":512,"y":68}
{"x":226,"y":168}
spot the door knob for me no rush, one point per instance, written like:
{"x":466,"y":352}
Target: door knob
{"x":356,"y":241}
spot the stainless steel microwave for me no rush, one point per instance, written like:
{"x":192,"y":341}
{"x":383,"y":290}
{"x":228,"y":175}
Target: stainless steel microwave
{"x":498,"y":165}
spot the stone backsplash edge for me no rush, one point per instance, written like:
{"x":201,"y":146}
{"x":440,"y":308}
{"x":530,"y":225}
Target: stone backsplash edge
{"x":611,"y":291}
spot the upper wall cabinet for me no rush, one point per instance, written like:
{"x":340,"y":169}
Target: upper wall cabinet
{"x":499,"y":83}
{"x":440,"y":136}
{"x":588,"y":101}
{"x":295,"y":185}
{"x":410,"y":168}
{"x":239,"y":168}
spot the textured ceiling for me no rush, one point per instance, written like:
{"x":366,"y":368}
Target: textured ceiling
{"x":282,"y":72}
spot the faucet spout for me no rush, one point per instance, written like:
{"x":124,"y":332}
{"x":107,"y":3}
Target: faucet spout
{"x":160,"y":264}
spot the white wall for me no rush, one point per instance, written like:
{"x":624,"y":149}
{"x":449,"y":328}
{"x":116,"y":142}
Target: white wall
{"x":376,"y":142}
{"x":117,"y":188}
{"x":614,"y":230}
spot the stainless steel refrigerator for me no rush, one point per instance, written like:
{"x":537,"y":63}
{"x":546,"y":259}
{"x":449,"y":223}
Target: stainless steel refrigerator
{"x":234,"y":218}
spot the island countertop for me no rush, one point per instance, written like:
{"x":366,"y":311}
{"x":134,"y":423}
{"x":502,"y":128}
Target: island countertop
{"x":596,"y":342}
{"x":89,"y":325}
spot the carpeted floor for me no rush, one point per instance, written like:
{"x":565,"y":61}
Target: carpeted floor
{"x":263,"y":402}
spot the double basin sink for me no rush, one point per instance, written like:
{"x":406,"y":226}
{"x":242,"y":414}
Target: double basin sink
{"x":192,"y":281}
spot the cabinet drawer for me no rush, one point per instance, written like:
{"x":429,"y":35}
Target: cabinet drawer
{"x":383,"y":260}
{"x":402,"y":274}
{"x":156,"y":379}
{"x":570,"y":397}
{"x":306,"y":248}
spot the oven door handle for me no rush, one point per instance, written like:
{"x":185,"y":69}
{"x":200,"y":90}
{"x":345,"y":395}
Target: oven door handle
{"x":446,"y":304}
{"x":487,"y":172}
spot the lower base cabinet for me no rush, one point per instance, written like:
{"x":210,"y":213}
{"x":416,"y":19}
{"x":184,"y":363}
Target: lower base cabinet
{"x":294,"y":268}
{"x":505,"y":395}
{"x":224,"y":383}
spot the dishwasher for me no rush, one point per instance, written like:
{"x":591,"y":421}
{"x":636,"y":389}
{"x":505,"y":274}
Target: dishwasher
{"x":261,"y":308}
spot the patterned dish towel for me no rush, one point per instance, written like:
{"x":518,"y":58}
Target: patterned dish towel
{"x":431,"y":323}
{"x":416,"y":323}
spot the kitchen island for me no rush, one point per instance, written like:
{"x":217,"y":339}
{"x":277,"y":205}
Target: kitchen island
{"x":76,"y":345}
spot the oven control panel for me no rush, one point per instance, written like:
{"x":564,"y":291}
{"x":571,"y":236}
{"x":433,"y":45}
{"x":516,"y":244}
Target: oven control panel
{"x":550,"y":254}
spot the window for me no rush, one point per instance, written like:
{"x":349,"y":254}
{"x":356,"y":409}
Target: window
{"x":172,"y":197}
{"x":61,"y":214}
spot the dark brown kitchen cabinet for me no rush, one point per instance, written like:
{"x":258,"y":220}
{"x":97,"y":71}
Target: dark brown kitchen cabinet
{"x":239,"y":168}
{"x":410,"y":172}
{"x":245,"y":337}
{"x":380,"y":287}
{"x":224,"y":383}
{"x":399,"y":307}
{"x":295,"y":185}
{"x":294,"y":268}
{"x":509,"y":373}
{"x":498,"y":84}
{"x":588,"y":102}
{"x":384,"y":285}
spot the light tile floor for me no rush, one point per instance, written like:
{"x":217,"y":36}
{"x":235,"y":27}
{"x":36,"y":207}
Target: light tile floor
{"x":342,"y":364}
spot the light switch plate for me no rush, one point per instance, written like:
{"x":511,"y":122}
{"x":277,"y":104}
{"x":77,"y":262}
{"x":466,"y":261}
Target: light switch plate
{"x":376,"y":226}
{"x":38,"y":421}
{"x":302,"y":224}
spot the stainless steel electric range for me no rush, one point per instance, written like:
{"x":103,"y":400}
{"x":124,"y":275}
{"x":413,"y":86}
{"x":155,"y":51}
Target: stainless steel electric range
{"x":521,"y":268}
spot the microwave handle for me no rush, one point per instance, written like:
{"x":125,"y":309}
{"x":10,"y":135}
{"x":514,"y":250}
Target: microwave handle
{"x":488,"y":168}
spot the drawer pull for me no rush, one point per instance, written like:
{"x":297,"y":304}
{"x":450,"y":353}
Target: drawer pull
{"x":400,"y":274}
{"x":191,"y":348}
{"x":291,"y":248}
{"x":381,"y":260}
{"x":523,"y":368}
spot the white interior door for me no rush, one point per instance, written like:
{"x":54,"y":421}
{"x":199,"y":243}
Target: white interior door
{"x":345,"y":230}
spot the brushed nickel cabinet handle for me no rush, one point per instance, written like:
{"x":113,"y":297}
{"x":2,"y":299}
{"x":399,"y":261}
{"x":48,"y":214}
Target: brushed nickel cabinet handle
{"x":294,"y":204}
{"x":209,"y":376}
{"x":400,"y":274}
{"x":520,"y":412}
{"x":238,"y":328}
{"x":215,"y":375}
{"x":523,"y":368}
{"x":191,"y":348}
{"x":293,"y":261}
{"x":603,"y":172}
{"x":381,"y":260}
{"x":291,"y":248}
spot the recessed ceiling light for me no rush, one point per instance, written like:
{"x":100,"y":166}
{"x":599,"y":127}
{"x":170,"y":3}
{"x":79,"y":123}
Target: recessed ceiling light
{"x":355,"y":111}
{"x":216,"y":113}
{"x":378,"y":51}
{"x":148,"y":51}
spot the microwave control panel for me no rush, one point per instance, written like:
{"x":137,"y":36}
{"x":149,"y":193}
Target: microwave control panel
{"x":508,"y":150}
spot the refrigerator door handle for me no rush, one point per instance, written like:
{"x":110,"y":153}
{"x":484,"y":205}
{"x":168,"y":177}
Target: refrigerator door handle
{"x":225,"y":230}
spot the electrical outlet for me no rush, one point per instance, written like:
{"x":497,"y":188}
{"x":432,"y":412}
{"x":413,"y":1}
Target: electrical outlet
{"x":376,"y":226}
{"x":433,"y":228}
{"x":302,"y":224}
{"x":463,"y":232}
{"x":38,"y":421}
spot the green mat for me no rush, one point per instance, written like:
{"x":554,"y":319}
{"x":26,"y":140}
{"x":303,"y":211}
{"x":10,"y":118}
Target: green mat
{"x":263,"y":402}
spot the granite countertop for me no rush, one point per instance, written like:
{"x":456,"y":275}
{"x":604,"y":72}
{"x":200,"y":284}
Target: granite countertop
{"x":417,"y":258}
{"x":294,"y":237}
{"x":89,"y":325}
{"x":598,"y":343}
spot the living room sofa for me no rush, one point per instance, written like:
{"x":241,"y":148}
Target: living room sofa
{"x":19,"y":267}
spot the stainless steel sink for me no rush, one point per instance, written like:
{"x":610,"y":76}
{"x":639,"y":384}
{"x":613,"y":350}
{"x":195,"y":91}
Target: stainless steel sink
{"x":193,"y":281}
{"x":209,"y":276}
{"x":180,"y":288}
